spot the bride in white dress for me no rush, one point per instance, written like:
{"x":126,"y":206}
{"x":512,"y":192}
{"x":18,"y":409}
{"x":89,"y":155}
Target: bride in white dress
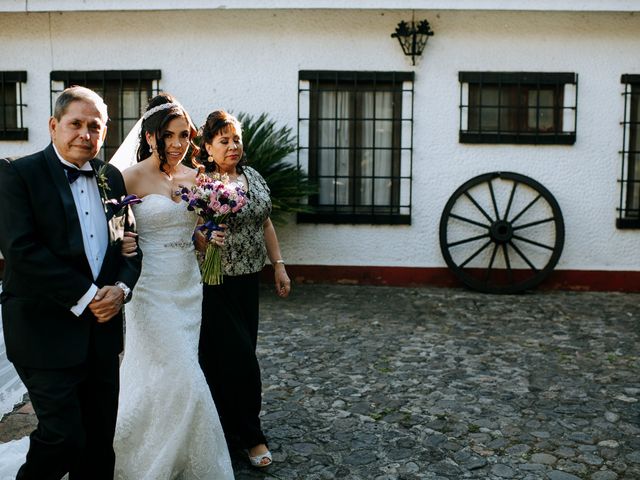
{"x":168,"y":426}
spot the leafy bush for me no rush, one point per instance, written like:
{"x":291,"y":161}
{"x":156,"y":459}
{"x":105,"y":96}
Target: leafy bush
{"x":267,"y":146}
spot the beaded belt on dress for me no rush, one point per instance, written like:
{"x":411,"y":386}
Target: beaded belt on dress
{"x":180,"y":244}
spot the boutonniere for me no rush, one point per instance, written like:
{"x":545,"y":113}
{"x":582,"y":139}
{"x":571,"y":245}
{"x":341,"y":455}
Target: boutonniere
{"x":103,"y":181}
{"x":112,"y":205}
{"x":117,"y":207}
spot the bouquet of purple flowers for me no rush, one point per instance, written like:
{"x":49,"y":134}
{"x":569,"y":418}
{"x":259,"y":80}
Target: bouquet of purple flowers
{"x":214,"y":200}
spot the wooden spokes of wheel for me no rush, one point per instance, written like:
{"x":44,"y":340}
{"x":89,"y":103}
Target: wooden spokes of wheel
{"x":501,"y":232}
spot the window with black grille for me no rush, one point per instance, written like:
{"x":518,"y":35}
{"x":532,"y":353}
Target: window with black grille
{"x":126,"y":93}
{"x":355,"y":139}
{"x":518,"y":107}
{"x":11,"y":106}
{"x":629,"y":209}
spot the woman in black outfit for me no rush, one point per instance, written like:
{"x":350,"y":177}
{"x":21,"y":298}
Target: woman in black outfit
{"x":230,"y":310}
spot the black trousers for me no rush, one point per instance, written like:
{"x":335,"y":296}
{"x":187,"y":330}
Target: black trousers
{"x":76,"y":409}
{"x":228,"y":359}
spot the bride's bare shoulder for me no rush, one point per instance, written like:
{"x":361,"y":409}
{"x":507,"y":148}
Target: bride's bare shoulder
{"x":131,"y":172}
{"x":134,"y":175}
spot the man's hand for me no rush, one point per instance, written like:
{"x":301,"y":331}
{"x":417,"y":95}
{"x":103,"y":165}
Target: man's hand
{"x":129,"y":244}
{"x":107,"y":303}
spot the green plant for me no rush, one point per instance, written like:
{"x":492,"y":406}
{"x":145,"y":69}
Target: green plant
{"x":266,"y":147}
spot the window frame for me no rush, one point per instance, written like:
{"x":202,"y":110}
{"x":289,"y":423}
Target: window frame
{"x":19,"y":131}
{"x":107,"y":77}
{"x":628,"y":217}
{"x":396,"y":212}
{"x":522,"y":82}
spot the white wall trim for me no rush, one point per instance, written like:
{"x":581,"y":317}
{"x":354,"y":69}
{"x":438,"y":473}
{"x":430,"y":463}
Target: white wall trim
{"x":480,"y":5}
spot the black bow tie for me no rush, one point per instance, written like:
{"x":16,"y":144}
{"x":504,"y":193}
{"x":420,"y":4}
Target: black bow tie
{"x":73,"y":173}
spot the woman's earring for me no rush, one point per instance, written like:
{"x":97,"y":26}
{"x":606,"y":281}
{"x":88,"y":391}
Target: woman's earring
{"x":150,"y":149}
{"x":210,"y":159}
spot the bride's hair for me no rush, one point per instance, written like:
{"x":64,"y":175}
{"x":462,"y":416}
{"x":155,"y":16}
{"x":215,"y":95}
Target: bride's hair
{"x":218,"y":121}
{"x":155,"y":121}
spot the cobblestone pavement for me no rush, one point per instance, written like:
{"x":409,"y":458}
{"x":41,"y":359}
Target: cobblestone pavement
{"x":384,"y":383}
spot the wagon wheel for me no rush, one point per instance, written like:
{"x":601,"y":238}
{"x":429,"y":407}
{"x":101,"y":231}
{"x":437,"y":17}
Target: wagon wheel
{"x":501,"y":232}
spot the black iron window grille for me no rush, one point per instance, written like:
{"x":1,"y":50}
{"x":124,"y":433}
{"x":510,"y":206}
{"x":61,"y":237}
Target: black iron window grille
{"x":126,"y":93}
{"x":355,"y":138}
{"x":629,"y":209}
{"x":518,"y":107}
{"x":11,"y":106}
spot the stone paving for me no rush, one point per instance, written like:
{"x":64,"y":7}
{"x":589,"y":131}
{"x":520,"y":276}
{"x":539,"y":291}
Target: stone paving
{"x":383,"y":383}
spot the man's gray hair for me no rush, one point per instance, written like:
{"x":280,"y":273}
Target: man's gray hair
{"x":75,"y":94}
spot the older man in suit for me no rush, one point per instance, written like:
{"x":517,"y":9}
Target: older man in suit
{"x":64,"y":284}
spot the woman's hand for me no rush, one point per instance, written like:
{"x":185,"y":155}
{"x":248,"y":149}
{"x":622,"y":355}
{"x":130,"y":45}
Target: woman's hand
{"x":283,"y":283}
{"x":217,"y":238}
{"x":129,"y":245}
{"x":200,"y":241}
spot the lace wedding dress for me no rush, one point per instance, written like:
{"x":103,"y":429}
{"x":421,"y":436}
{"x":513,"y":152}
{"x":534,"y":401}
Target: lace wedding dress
{"x":168,"y":426}
{"x":13,"y":453}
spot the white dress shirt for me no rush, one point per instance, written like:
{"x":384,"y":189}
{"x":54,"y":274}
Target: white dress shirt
{"x":93,"y":223}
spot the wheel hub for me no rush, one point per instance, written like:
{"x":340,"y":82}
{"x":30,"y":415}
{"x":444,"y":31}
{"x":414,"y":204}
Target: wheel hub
{"x":501,"y":231}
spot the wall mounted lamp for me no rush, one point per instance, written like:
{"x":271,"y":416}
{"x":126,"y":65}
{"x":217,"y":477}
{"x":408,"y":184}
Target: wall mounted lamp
{"x":413,"y":38}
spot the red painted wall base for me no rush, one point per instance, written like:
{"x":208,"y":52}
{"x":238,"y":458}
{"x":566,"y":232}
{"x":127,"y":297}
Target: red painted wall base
{"x":587,"y":280}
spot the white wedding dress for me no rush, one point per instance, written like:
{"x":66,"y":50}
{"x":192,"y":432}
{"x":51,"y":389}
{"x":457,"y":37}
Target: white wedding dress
{"x":13,"y":453}
{"x":168,"y":426}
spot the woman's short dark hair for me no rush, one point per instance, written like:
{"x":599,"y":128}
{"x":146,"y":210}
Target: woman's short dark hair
{"x":217,"y":122}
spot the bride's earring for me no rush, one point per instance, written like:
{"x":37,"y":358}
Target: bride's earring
{"x":210,"y":159}
{"x":150,"y":149}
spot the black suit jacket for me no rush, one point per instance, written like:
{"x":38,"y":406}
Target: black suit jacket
{"x":46,"y":268}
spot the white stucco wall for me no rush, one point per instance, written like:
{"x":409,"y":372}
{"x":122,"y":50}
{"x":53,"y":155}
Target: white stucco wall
{"x":504,"y":5}
{"x":248,"y":60}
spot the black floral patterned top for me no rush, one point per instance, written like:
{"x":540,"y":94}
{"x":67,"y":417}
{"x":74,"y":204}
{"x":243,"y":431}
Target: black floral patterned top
{"x":244,"y":249}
